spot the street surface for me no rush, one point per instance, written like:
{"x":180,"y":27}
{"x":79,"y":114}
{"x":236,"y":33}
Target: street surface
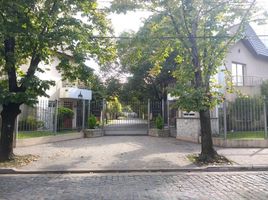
{"x":141,"y":186}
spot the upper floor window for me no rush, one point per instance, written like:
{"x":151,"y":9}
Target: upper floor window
{"x":238,"y":73}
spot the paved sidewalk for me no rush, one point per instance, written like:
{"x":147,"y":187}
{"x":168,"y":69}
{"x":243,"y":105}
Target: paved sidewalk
{"x":137,"y":186}
{"x":128,"y":153}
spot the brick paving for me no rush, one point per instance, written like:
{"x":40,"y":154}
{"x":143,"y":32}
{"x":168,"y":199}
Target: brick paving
{"x":138,"y":186}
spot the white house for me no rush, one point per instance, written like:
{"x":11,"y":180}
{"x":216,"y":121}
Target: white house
{"x":72,"y":95}
{"x":247,"y":62}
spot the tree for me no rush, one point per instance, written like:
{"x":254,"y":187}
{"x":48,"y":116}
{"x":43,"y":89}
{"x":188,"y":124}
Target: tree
{"x":35,"y":31}
{"x":113,"y":88}
{"x":138,"y":57}
{"x":114,"y":107}
{"x":203,"y":31}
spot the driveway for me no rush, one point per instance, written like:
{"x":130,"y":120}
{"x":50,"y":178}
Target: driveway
{"x":129,"y":152}
{"x":111,"y":152}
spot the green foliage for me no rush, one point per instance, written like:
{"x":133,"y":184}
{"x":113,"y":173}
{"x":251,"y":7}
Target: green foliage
{"x":42,"y":31}
{"x":159,"y":122}
{"x":197,"y":37}
{"x":114,"y":108}
{"x":244,"y":114}
{"x":30,"y":124}
{"x":92,"y":122}
{"x":114,"y":87}
{"x":264,"y":89}
{"x":65,"y":113}
{"x":141,"y":57}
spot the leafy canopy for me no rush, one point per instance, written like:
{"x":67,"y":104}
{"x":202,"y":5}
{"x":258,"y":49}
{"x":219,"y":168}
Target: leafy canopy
{"x":35,"y":32}
{"x":200,"y":32}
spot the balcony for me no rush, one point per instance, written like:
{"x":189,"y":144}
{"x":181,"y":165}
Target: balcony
{"x":76,"y":84}
{"x":247,"y":81}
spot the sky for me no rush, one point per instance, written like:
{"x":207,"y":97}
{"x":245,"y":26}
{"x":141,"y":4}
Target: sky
{"x":134,"y":20}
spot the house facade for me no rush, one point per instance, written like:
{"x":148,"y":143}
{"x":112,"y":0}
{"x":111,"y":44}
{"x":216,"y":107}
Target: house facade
{"x":247,"y":63}
{"x":72,"y":95}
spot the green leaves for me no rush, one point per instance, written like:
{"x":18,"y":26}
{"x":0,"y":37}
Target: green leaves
{"x":197,"y":35}
{"x":70,"y":31}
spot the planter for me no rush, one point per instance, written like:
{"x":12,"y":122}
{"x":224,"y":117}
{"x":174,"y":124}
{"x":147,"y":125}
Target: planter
{"x":159,"y":132}
{"x":91,"y":133}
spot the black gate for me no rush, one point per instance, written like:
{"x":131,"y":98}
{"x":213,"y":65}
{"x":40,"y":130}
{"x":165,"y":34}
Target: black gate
{"x":125,"y":118}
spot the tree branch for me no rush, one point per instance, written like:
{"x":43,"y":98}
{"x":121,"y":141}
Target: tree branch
{"x":36,"y":57}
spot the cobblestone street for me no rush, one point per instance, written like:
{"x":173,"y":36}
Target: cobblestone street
{"x":209,"y":185}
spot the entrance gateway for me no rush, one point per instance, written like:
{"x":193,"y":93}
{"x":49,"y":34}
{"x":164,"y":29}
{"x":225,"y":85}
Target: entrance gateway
{"x":131,"y":118}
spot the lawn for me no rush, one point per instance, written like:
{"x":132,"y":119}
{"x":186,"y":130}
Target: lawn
{"x":33,"y":134}
{"x":246,"y":135}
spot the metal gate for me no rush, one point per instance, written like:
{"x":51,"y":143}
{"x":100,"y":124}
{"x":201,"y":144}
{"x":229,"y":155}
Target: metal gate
{"x":125,"y":118}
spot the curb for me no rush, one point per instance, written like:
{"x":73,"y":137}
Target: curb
{"x":125,"y":171}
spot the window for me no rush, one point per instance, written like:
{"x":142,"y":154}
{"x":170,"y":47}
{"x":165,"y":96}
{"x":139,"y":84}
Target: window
{"x":238,"y":74}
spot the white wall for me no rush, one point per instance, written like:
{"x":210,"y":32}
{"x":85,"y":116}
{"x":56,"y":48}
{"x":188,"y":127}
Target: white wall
{"x":51,"y":73}
{"x":254,"y":66}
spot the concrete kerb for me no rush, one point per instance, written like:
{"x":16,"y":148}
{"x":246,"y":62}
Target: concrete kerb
{"x":126,"y":171}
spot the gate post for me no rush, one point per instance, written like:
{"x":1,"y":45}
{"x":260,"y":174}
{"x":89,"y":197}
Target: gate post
{"x":149,"y":114}
{"x":168,"y":114}
{"x":84,"y":114}
{"x":56,"y":116}
{"x":265,"y":117}
{"x":103,"y":113}
{"x":224,"y":120}
{"x":163,"y":109}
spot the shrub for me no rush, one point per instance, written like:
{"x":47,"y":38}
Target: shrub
{"x":159,"y":122}
{"x":30,"y":124}
{"x":245,"y":114}
{"x":65,"y":113}
{"x":92,"y":122}
{"x":264,"y":89}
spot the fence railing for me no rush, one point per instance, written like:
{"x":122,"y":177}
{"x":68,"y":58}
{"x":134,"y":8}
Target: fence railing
{"x":243,"y":118}
{"x":52,"y":117}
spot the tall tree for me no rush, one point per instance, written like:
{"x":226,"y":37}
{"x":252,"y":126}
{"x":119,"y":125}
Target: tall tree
{"x":204,"y":30}
{"x":141,"y":57}
{"x":35,"y":31}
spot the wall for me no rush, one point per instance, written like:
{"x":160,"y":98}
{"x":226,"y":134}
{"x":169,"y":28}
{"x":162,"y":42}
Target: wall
{"x":255,"y":66}
{"x":189,"y":128}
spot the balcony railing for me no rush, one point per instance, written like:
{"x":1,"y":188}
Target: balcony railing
{"x":247,"y":80}
{"x":75,"y":84}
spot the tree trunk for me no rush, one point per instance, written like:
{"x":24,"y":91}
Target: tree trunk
{"x":207,"y":150}
{"x":8,"y":114}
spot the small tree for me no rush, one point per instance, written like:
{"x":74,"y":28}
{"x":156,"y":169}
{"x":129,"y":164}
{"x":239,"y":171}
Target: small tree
{"x":63,"y":115}
{"x":114,"y":107}
{"x":159,"y":122}
{"x":92,"y":122}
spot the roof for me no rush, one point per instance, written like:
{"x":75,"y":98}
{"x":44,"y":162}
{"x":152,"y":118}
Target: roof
{"x":254,"y":42}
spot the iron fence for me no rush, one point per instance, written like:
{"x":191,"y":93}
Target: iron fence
{"x":243,"y":118}
{"x":127,"y":115}
{"x":52,"y":117}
